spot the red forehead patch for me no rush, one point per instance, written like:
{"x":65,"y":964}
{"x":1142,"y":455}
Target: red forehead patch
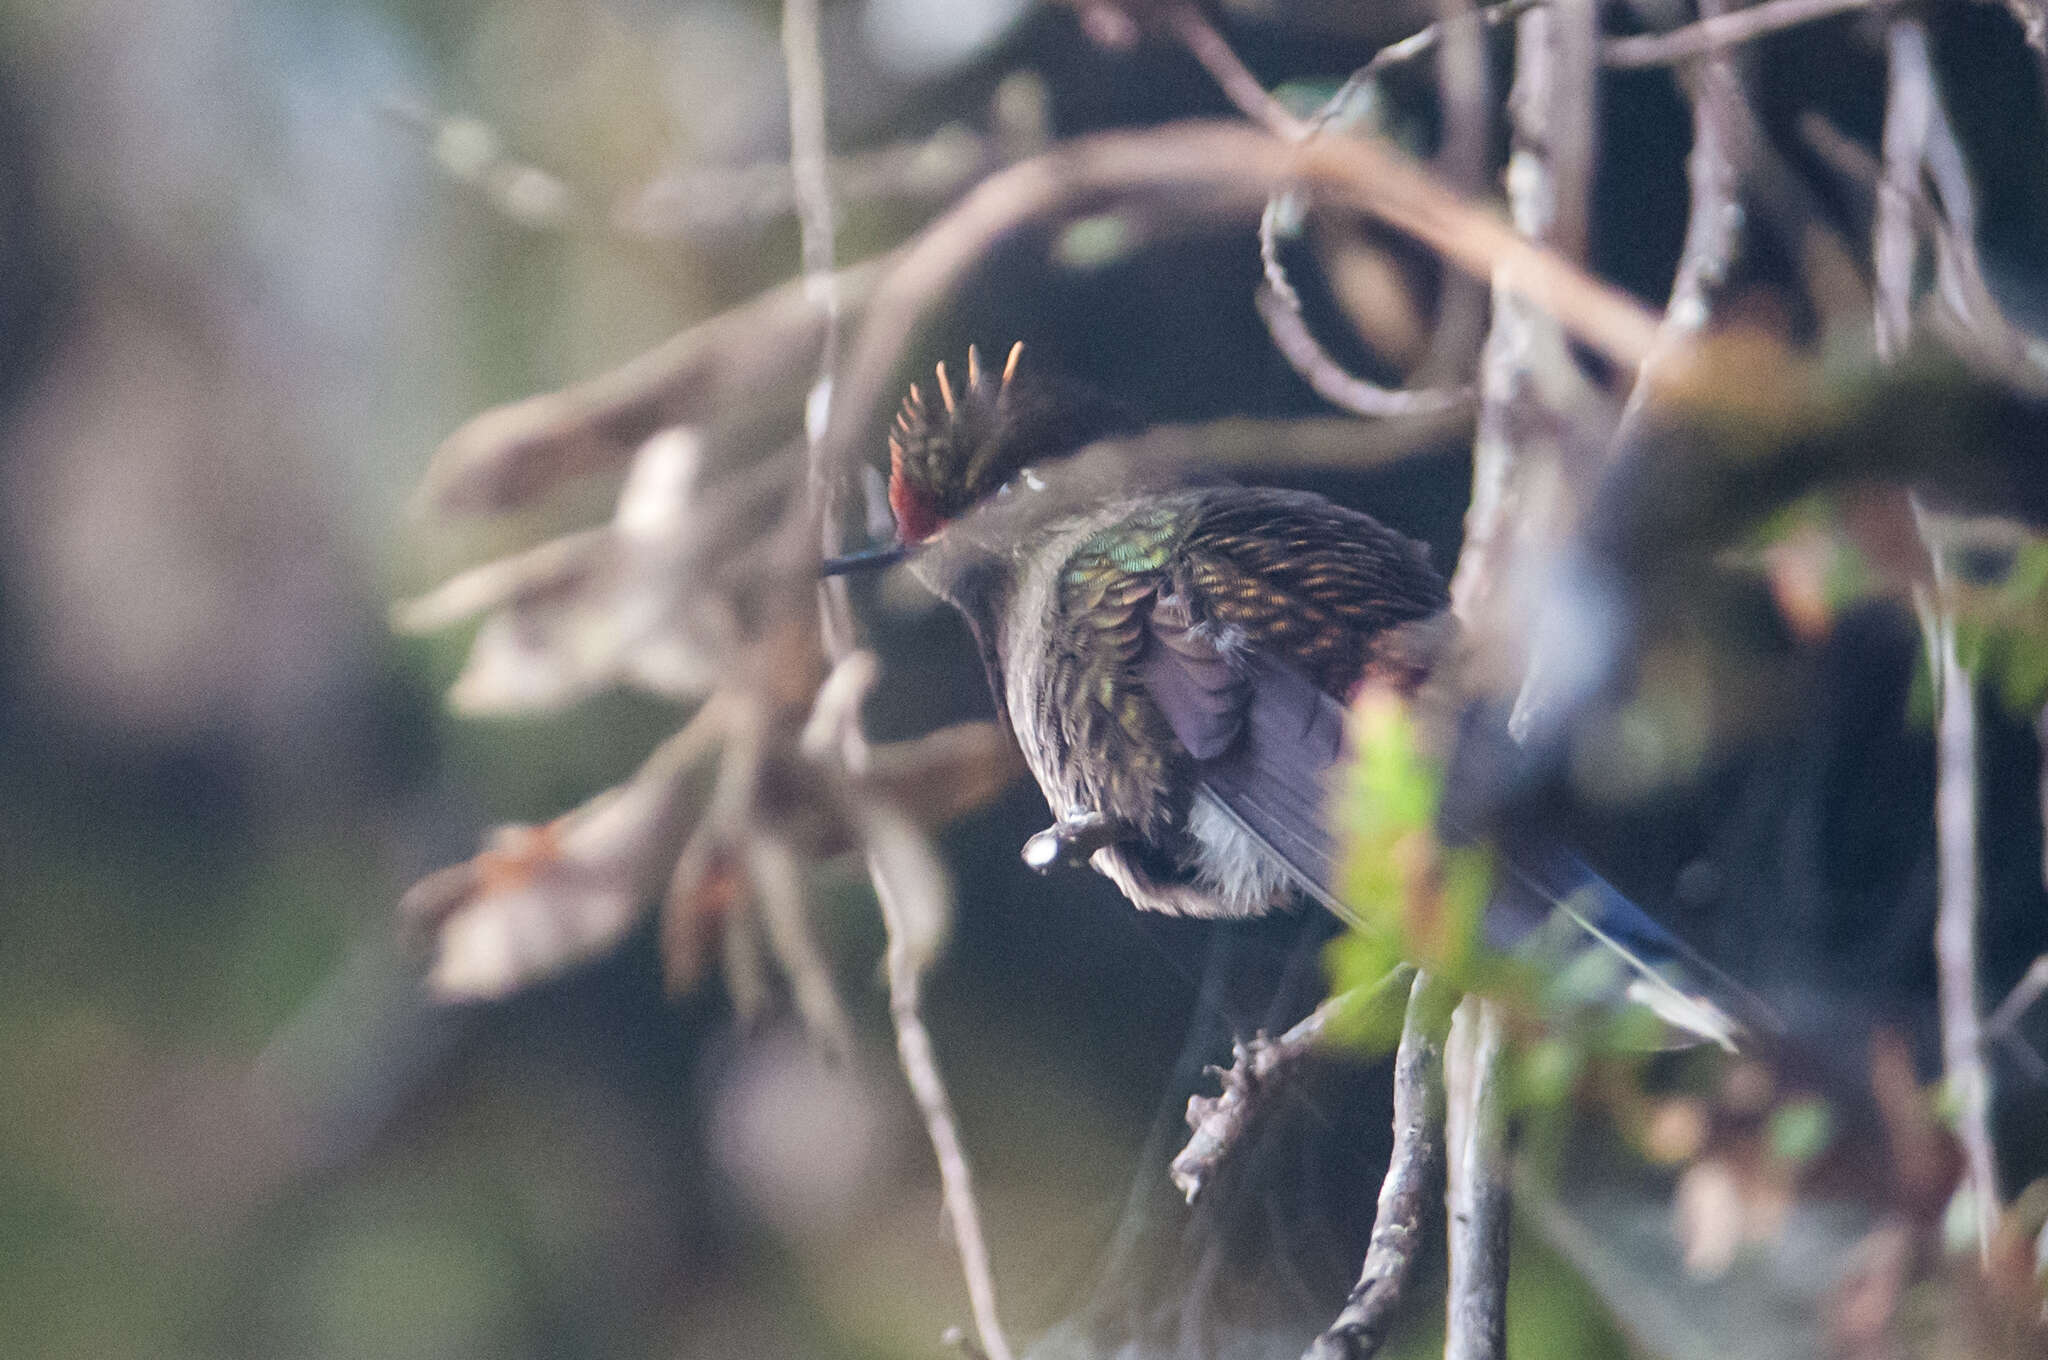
{"x":916,"y":521}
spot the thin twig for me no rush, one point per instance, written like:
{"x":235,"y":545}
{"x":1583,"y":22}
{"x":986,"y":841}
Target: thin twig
{"x":1477,"y":1172}
{"x":1464,"y":81}
{"x":1463,"y":306}
{"x":1959,"y":272}
{"x":1280,"y":308}
{"x":778,"y":877}
{"x":1985,"y":331}
{"x":921,"y":1068}
{"x":907,"y":943}
{"x":2003,"y":1024}
{"x":1279,"y":305}
{"x":1721,"y":147}
{"x":1425,"y":41}
{"x":1724,"y":30}
{"x":1955,"y":931}
{"x":1908,"y":112}
{"x":1216,"y":1123}
{"x":1414,"y":1174}
{"x":1231,"y":75}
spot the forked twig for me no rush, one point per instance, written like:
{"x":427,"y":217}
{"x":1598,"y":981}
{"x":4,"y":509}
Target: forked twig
{"x":1216,"y":1124}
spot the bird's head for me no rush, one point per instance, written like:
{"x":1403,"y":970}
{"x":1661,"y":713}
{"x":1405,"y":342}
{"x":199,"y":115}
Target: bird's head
{"x":959,"y":444}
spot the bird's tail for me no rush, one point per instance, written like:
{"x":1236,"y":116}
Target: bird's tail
{"x":1547,"y":903}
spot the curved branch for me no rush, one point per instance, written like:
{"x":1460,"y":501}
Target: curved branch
{"x":1208,"y":173}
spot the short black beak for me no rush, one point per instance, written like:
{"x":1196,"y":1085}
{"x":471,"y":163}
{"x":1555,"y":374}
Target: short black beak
{"x":867,"y":559}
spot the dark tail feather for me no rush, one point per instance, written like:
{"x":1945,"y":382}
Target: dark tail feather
{"x":1541,"y":883}
{"x":1273,"y":784}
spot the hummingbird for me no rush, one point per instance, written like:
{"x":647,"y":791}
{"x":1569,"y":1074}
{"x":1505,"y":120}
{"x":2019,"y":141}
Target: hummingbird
{"x":1175,"y":660}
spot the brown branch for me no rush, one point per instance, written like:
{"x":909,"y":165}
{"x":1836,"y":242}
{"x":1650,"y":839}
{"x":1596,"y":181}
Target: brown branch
{"x":908,"y":887}
{"x":1414,"y":1175}
{"x":1206,"y":174}
{"x":1526,"y":378}
{"x":921,"y":1067}
{"x":1216,"y":1123}
{"x":1228,"y":70}
{"x":1910,"y":105}
{"x":1724,"y":30}
{"x":511,"y":454}
{"x":1476,"y":1166}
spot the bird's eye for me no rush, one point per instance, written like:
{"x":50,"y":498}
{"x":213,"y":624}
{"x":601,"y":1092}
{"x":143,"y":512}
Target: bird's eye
{"x":1031,"y":479}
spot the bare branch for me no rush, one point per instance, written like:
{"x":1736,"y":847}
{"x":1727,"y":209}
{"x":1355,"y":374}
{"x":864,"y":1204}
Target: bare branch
{"x":1477,"y":1171}
{"x":778,"y":876}
{"x":1217,"y":1122}
{"x":910,"y":890}
{"x":736,"y":360}
{"x":1723,"y":137}
{"x":1278,"y":303}
{"x":1724,"y":30}
{"x":1464,"y":80}
{"x":1426,"y":40}
{"x":1228,"y":70}
{"x":1909,"y":105}
{"x":1569,"y":31}
{"x":1527,"y":373}
{"x":1909,"y":114}
{"x":1280,"y":308}
{"x":1207,"y":173}
{"x":1414,"y":1172}
{"x":921,"y":1068}
{"x":2003,"y":1024}
{"x":1955,"y":931}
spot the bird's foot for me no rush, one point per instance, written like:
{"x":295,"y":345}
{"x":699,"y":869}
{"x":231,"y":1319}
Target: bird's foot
{"x":1072,"y":839}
